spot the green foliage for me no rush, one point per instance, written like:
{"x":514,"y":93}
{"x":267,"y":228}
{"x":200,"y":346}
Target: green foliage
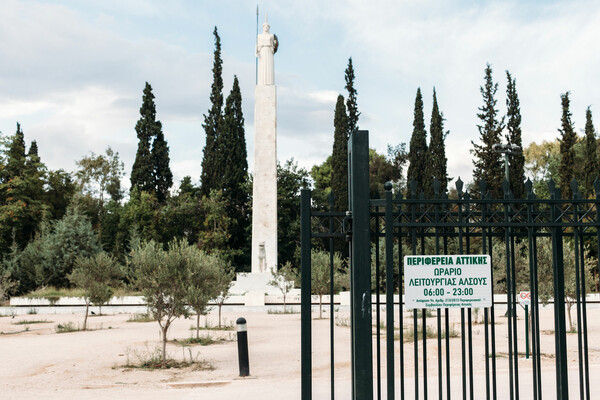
{"x":234,"y":180}
{"x":146,"y":128}
{"x":418,"y":154}
{"x":283,"y":279}
{"x":214,"y":236}
{"x":60,"y":189}
{"x":208,"y":278}
{"x":320,"y":278}
{"x":437,"y":162}
{"x":351,"y":103}
{"x":567,"y":139}
{"x":213,"y":122}
{"x":163,"y":177}
{"x":516,"y":163}
{"x":339,"y":157}
{"x":97,"y":275}
{"x":321,"y":175}
{"x":290,"y":180}
{"x":591,"y":155}
{"x":382,"y":169}
{"x":488,"y":163}
{"x":53,"y":253}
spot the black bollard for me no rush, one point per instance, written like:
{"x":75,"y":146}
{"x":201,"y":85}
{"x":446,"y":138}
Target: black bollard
{"x":242,"y":338}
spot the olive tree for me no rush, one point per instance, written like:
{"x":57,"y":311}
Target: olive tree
{"x":161,"y":276}
{"x":320,"y":275}
{"x":203,"y":283}
{"x":97,"y":275}
{"x":283,"y":279}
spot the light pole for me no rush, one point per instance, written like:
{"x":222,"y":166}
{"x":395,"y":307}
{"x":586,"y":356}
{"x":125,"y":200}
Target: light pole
{"x":507,"y":149}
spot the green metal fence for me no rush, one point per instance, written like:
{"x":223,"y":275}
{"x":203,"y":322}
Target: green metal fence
{"x":380,"y":232}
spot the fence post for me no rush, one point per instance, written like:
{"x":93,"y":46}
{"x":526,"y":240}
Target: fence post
{"x":560,"y":330}
{"x":360,"y":266}
{"x":306,"y":303}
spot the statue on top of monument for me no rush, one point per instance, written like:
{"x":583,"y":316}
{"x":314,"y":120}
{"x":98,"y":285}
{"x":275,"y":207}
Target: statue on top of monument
{"x":266,"y":46}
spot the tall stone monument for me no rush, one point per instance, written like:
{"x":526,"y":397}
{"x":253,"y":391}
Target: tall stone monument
{"x":264,"y":197}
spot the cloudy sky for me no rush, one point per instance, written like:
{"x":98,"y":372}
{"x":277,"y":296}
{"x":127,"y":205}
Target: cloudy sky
{"x":72,"y":72}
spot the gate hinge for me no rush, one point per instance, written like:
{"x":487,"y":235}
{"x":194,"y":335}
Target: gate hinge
{"x":347,"y":225}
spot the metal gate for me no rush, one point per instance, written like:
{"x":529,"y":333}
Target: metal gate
{"x":533,"y":238}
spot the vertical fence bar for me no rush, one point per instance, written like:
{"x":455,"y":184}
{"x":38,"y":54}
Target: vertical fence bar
{"x":389,"y":289}
{"x":377,"y":303}
{"x":400,"y":293}
{"x":446,"y":313}
{"x":482,"y":206}
{"x":331,"y":302}
{"x":436,"y":193}
{"x":509,"y":294}
{"x":469,"y":311}
{"x":562,"y":386}
{"x":459,"y":186}
{"x":306,"y":306}
{"x":413,"y":242}
{"x":532,"y":282}
{"x":360,"y":267}
{"x":578,"y":262}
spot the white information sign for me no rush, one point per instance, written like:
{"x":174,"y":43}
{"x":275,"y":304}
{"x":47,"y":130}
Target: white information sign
{"x":445,"y":281}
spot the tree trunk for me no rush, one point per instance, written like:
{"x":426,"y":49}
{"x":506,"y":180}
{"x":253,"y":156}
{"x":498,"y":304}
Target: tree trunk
{"x":320,"y":306}
{"x":220,"y":305}
{"x":569,"y":305}
{"x":284,"y":309}
{"x":197,"y":325}
{"x":87,"y":307}
{"x":164,"y":344}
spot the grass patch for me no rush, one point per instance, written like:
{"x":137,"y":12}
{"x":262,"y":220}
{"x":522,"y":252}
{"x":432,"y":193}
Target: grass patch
{"x":287,"y":311}
{"x":32,"y":321}
{"x":225,"y":326}
{"x":146,"y":317}
{"x":202,"y":341}
{"x":11,"y":313}
{"x":52,"y":294}
{"x":152,"y":359}
{"x":67,"y":327}
{"x":342,"y":321}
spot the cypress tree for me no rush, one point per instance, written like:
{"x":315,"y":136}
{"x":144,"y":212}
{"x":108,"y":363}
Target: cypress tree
{"x":15,"y":160}
{"x":437,"y":165}
{"x":417,"y":153}
{"x":235,"y":172}
{"x":147,"y":128}
{"x":213,"y":122}
{"x":351,"y":103}
{"x":33,"y":149}
{"x":591,"y":157}
{"x":567,"y":140}
{"x":163,"y":177}
{"x":339,"y":156}
{"x":516,"y":164}
{"x":488,"y":164}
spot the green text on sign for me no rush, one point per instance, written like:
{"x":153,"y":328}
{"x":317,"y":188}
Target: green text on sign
{"x":444,"y":281}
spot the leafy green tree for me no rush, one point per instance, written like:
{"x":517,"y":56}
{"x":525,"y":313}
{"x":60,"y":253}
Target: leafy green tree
{"x":568,"y":138}
{"x":290,"y":180}
{"x":382,"y":169}
{"x":147,"y":128}
{"x":541,"y":163}
{"x":141,"y":212}
{"x":53,"y":253}
{"x":60,"y":189}
{"x":320,"y":275}
{"x":186,"y":187}
{"x":22,"y":181}
{"x":98,"y":276}
{"x":213,"y":122}
{"x":283,"y":279}
{"x":321,"y":176}
{"x":418,"y":153}
{"x":163,"y":177}
{"x":487,"y":162}
{"x":214,"y":236}
{"x":11,"y":273}
{"x":161,"y":276}
{"x":437,"y":161}
{"x":351,"y":103}
{"x":234,"y":181}
{"x":591,"y":155}
{"x":99,"y":177}
{"x":339,"y":157}
{"x":222,"y":285}
{"x":516,"y":164}
{"x":202,"y":282}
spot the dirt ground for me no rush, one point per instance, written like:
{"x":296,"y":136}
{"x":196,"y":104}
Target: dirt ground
{"x":38,"y":363}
